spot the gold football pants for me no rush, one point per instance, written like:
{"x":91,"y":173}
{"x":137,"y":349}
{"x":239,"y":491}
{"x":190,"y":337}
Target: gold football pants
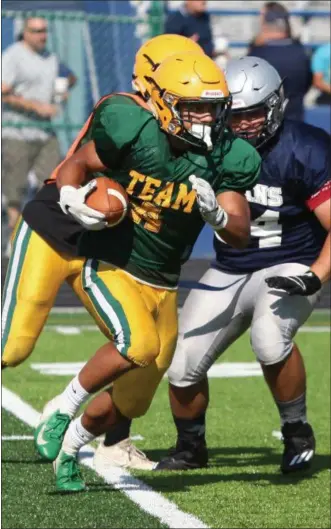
{"x":34,"y":275}
{"x":140,"y":319}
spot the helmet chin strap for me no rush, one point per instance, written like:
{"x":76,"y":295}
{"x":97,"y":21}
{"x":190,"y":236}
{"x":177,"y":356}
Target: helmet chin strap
{"x":202,"y":132}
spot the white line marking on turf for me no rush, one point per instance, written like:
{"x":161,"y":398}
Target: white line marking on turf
{"x":137,"y":437}
{"x":22,"y":410}
{"x":144,"y":496}
{"x":68,"y":310}
{"x":58,"y":368}
{"x":76,"y":310}
{"x":67,"y":329}
{"x":314,"y":328}
{"x":222,"y":370}
{"x":277,"y":434}
{"x":17,"y":438}
{"x":77,"y":329}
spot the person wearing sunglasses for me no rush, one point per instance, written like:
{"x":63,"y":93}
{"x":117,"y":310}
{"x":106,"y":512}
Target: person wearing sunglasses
{"x":29,"y":73}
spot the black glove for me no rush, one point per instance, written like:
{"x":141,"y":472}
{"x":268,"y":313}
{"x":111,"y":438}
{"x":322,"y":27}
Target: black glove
{"x":304,"y":285}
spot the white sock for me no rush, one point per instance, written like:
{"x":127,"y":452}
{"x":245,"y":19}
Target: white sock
{"x":73,"y":397}
{"x":76,"y":436}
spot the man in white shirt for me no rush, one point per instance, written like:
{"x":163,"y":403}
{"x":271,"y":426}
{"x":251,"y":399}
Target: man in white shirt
{"x":29,"y":73}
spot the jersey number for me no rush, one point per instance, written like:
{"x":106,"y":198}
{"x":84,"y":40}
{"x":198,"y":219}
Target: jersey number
{"x":267,"y":229}
{"x":148,"y":214}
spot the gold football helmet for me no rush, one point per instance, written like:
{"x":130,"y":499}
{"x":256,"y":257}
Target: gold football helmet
{"x":184,"y":84}
{"x":153,"y":52}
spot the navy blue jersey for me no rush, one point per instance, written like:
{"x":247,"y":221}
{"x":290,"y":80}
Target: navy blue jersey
{"x":294,"y":180}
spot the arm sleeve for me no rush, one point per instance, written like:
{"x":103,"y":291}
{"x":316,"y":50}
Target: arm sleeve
{"x":317,"y":185}
{"x":240,"y":169}
{"x":115,"y":126}
{"x":9,"y":69}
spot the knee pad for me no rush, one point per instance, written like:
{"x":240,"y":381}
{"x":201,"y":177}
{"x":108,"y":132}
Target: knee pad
{"x":179,"y":365}
{"x":270,"y":349}
{"x":134,"y":409}
{"x":133,"y":392}
{"x":144,"y":351}
{"x":188,"y":367}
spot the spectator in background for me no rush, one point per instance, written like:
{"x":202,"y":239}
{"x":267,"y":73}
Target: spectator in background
{"x":193,"y":21}
{"x":275,"y":44}
{"x":276,"y":9}
{"x":321,"y":74}
{"x":29,"y":74}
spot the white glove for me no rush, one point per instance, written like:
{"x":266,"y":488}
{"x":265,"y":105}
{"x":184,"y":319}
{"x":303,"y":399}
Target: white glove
{"x":72,"y":201}
{"x":210,"y":209}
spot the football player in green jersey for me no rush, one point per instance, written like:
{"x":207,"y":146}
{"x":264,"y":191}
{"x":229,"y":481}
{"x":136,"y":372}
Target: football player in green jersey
{"x":189,"y":170}
{"x":174,"y":157}
{"x":46,"y":249}
{"x":47,"y":255}
{"x":48,"y":246}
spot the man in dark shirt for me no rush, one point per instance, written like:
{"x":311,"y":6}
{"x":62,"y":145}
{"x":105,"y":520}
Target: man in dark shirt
{"x":289,"y":58}
{"x":193,"y":21}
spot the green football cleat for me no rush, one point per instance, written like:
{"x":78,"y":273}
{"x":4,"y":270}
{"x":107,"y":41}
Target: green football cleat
{"x":68,"y":476}
{"x":49,"y":435}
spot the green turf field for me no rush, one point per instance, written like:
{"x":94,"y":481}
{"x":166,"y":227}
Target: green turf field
{"x":241,"y":488}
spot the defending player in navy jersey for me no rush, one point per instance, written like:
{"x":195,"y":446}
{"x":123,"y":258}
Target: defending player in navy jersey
{"x":272,"y":285}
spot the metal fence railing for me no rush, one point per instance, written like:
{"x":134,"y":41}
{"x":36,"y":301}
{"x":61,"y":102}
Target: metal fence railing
{"x":98,"y":48}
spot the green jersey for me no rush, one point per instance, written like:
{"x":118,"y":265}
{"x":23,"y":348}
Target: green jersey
{"x":158,"y":234}
{"x":164,"y":222}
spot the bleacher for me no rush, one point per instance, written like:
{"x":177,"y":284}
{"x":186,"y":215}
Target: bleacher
{"x":238,"y":21}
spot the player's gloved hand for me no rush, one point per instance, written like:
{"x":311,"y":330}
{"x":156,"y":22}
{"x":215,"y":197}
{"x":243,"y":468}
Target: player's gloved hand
{"x":210,"y":210}
{"x":72,"y":201}
{"x":304,"y":285}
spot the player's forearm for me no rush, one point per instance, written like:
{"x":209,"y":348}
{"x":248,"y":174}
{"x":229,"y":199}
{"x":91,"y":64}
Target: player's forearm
{"x":236,"y":232}
{"x":322,"y":266}
{"x":76,"y":169}
{"x":19,"y":102}
{"x":73,"y":172}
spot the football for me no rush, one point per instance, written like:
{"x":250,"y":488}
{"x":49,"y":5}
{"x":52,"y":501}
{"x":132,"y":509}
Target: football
{"x":110,"y":198}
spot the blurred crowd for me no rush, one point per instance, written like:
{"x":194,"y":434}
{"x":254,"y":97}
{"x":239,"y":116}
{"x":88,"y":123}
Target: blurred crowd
{"x":274,"y":42}
{"x":35,"y":85}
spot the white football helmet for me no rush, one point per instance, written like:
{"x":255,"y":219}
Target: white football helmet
{"x":254,"y":83}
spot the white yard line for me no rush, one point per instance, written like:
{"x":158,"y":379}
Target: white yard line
{"x":81,"y":310}
{"x":221,"y":370}
{"x":22,"y":410}
{"x":77,"y":329}
{"x":17,"y":438}
{"x":314,"y":328}
{"x":144,"y":496}
{"x":68,"y":310}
